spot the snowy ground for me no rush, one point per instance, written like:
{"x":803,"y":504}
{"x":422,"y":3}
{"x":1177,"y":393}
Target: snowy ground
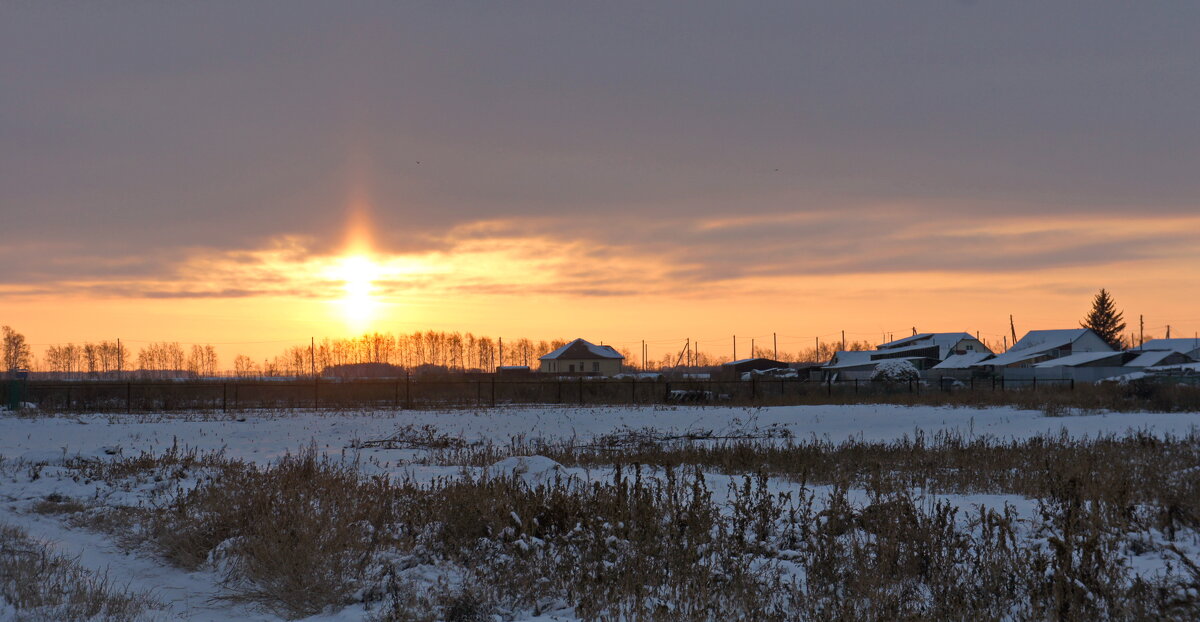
{"x":263,"y":437}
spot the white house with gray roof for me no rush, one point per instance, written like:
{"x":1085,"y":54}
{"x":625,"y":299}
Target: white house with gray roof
{"x":582,"y":357}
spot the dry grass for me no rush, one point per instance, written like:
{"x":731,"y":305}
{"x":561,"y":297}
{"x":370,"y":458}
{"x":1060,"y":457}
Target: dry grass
{"x":297,"y":537}
{"x":40,"y":585}
{"x":651,"y":543}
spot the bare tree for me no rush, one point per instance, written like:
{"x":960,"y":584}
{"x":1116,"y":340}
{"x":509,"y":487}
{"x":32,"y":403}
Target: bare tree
{"x":244,"y":366}
{"x":16,"y":352}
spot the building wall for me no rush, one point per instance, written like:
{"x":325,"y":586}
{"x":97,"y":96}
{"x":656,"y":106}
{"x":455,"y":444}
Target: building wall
{"x":975,"y":346}
{"x":1090,"y":342}
{"x":604,"y":367}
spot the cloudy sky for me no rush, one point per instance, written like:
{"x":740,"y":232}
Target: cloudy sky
{"x":619,"y":171}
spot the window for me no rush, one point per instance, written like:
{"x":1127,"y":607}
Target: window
{"x":571,"y":368}
{"x":596,"y":366}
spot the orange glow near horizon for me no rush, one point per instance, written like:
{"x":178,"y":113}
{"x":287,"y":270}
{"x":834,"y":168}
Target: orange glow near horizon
{"x":511,"y":281}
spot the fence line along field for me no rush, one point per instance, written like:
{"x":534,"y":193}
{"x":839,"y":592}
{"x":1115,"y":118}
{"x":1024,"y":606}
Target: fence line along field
{"x":409,"y":393}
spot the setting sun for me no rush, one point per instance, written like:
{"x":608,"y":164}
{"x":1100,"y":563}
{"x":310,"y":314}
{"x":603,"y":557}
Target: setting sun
{"x":358,"y":302}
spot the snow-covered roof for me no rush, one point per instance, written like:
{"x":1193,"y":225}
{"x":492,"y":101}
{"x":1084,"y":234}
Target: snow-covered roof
{"x":582,"y":349}
{"x":850,"y":358}
{"x":756,"y":358}
{"x":1150,"y":358}
{"x":942,"y":340}
{"x":1177,"y":345}
{"x":963,"y":361}
{"x":1048,"y":339}
{"x":1081,"y":358}
{"x":1036,"y":343}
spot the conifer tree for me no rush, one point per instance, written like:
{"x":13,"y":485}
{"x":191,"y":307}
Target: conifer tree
{"x":1105,"y":320}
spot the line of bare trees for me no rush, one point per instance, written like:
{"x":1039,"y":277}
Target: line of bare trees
{"x":449,"y":351}
{"x":108,"y":359}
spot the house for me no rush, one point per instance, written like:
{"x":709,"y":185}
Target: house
{"x":1038,"y":346}
{"x":1139,"y":359}
{"x":1095,"y":366}
{"x":1190,"y":347}
{"x":923,"y":350}
{"x":582,"y":357}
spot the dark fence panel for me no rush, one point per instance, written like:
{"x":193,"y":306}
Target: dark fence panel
{"x":417,"y":393}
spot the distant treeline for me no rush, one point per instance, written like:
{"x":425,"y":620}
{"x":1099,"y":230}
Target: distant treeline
{"x":450,"y":351}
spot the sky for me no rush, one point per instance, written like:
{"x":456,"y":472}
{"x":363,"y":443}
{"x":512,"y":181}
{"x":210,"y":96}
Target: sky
{"x":255,"y":174}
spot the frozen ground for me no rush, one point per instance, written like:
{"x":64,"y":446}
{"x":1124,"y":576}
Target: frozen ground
{"x":263,"y":437}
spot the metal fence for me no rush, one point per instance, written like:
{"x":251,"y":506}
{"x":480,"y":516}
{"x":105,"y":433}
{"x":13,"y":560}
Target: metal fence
{"x":413,"y":393}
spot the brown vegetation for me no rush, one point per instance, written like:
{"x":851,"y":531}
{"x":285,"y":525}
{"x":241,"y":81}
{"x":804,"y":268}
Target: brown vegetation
{"x":650,"y":542}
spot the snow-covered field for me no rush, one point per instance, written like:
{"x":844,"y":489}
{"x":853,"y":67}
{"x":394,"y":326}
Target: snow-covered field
{"x":35,"y":448}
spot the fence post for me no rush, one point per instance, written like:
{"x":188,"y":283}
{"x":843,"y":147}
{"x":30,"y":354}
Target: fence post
{"x":235,"y":396}
{"x":316,"y":393}
{"x":1072,"y":384}
{"x":1035,"y":383}
{"x":829,"y":387}
{"x":910,"y":387}
{"x":407,"y":390}
{"x":493,"y":391}
{"x":224,"y":397}
{"x":396,"y":395}
{"x":856,"y":386}
{"x":633,"y":390}
{"x":581,"y":390}
{"x":128,"y":397}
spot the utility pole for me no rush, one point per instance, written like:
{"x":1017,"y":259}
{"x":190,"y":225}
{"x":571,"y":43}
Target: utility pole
{"x":312,"y":355}
{"x":914,"y":331}
{"x":118,"y":358}
{"x":644,"y":355}
{"x":843,"y":340}
{"x":1013,"y":328}
{"x":1168,"y":331}
{"x":752,"y":354}
{"x":502,"y":351}
{"x":816,"y":348}
{"x":1141,"y":330}
{"x":1006,"y":343}
{"x":775,"y":344}
{"x":735,"y":347}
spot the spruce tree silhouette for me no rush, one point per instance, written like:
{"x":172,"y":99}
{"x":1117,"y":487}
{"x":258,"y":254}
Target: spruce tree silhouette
{"x":1105,"y":320}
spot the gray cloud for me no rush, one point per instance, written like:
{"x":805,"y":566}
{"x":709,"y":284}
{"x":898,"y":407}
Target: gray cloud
{"x":132,"y":131}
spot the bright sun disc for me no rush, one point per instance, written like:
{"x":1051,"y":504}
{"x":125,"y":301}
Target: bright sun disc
{"x":358,"y":273}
